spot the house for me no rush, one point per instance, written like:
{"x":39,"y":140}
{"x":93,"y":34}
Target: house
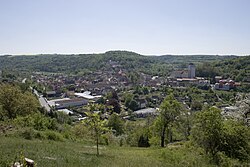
{"x":52,"y":94}
{"x":226,"y":85}
{"x":218,"y":78}
{"x":142,"y":103}
{"x":145,"y":112}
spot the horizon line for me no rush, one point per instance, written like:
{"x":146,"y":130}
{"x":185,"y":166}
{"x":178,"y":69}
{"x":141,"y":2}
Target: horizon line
{"x":167,"y":54}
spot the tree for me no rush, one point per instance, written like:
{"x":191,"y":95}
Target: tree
{"x":196,"y":106}
{"x":113,"y":100}
{"x":116,"y":124}
{"x":9,"y":100}
{"x":170,"y":110}
{"x":27,"y":104}
{"x":95,"y":123}
{"x":214,"y":134}
{"x":14,"y":103}
{"x":236,"y":137}
{"x":130,"y":102}
{"x":207,"y":130}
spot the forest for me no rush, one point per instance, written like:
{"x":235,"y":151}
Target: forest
{"x":154,"y":65}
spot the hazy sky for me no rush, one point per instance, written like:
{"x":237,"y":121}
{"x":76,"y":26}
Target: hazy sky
{"x":151,"y":27}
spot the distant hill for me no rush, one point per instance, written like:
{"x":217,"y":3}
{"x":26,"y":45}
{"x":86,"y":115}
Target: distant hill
{"x":128,"y":60}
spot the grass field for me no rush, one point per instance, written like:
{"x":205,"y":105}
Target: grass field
{"x":51,"y":153}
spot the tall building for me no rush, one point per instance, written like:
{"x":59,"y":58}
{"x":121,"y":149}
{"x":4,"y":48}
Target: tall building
{"x":191,"y":70}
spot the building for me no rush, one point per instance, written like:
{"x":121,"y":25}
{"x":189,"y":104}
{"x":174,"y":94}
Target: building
{"x":87,"y":95}
{"x":179,"y":74}
{"x":185,"y":73}
{"x":142,"y":103}
{"x":70,"y":103}
{"x":145,"y":112}
{"x":226,"y":85}
{"x":191,"y":70}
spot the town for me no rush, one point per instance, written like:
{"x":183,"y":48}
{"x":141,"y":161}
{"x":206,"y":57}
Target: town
{"x":125,"y":83}
{"x":141,"y":98}
{"x":124,"y":102}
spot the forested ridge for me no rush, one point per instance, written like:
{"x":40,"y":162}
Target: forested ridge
{"x":237,"y":68}
{"x":129,"y":60}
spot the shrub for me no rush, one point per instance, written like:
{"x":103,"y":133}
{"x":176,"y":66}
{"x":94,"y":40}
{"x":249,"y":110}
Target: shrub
{"x":52,"y":135}
{"x":39,"y":135}
{"x":28,"y":134}
{"x":38,"y":121}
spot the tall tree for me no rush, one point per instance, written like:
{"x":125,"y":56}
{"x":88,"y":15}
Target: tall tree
{"x":9,"y":100}
{"x":207,"y":130}
{"x":13,"y":102}
{"x":170,"y":110}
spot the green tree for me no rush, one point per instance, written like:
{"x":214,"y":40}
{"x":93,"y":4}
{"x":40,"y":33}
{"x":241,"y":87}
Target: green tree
{"x":15,"y":103}
{"x":170,"y":111}
{"x":95,"y":123}
{"x":130,"y":103}
{"x":115,"y":123}
{"x":236,"y":137}
{"x":207,"y":130}
{"x":27,"y":104}
{"x":9,"y":100}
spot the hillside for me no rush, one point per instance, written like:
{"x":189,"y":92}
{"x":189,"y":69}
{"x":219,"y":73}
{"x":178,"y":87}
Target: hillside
{"x":68,"y":153}
{"x":236,"y":68}
{"x":86,"y":62}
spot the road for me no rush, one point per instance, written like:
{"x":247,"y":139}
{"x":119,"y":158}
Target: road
{"x":42,"y":101}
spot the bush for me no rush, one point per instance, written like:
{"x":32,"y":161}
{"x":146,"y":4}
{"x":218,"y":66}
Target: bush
{"x":52,"y":135}
{"x":28,"y":134}
{"x":39,"y":135}
{"x":80,"y":131}
{"x":38,"y":121}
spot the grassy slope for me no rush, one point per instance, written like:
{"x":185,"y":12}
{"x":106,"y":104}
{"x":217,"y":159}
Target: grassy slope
{"x":50,"y":153}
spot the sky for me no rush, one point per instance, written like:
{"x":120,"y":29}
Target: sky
{"x":149,"y":27}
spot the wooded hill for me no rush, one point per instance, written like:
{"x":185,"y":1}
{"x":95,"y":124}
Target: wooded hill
{"x":155,"y":65}
{"x":237,"y":68}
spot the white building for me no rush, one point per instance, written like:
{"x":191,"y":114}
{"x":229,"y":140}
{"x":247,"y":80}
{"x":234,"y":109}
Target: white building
{"x":70,"y":103}
{"x":145,"y":112}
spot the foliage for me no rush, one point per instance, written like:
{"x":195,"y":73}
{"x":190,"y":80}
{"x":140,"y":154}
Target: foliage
{"x":207,"y":130}
{"x":130,"y":102}
{"x":15,"y":103}
{"x":95,"y":123}
{"x":236,"y":137}
{"x":37,"y":121}
{"x":83,"y":63}
{"x":170,"y":111}
{"x":116,"y":124}
{"x":234,"y":68}
{"x":63,"y":118}
{"x":113,"y":101}
{"x":216,"y":135}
